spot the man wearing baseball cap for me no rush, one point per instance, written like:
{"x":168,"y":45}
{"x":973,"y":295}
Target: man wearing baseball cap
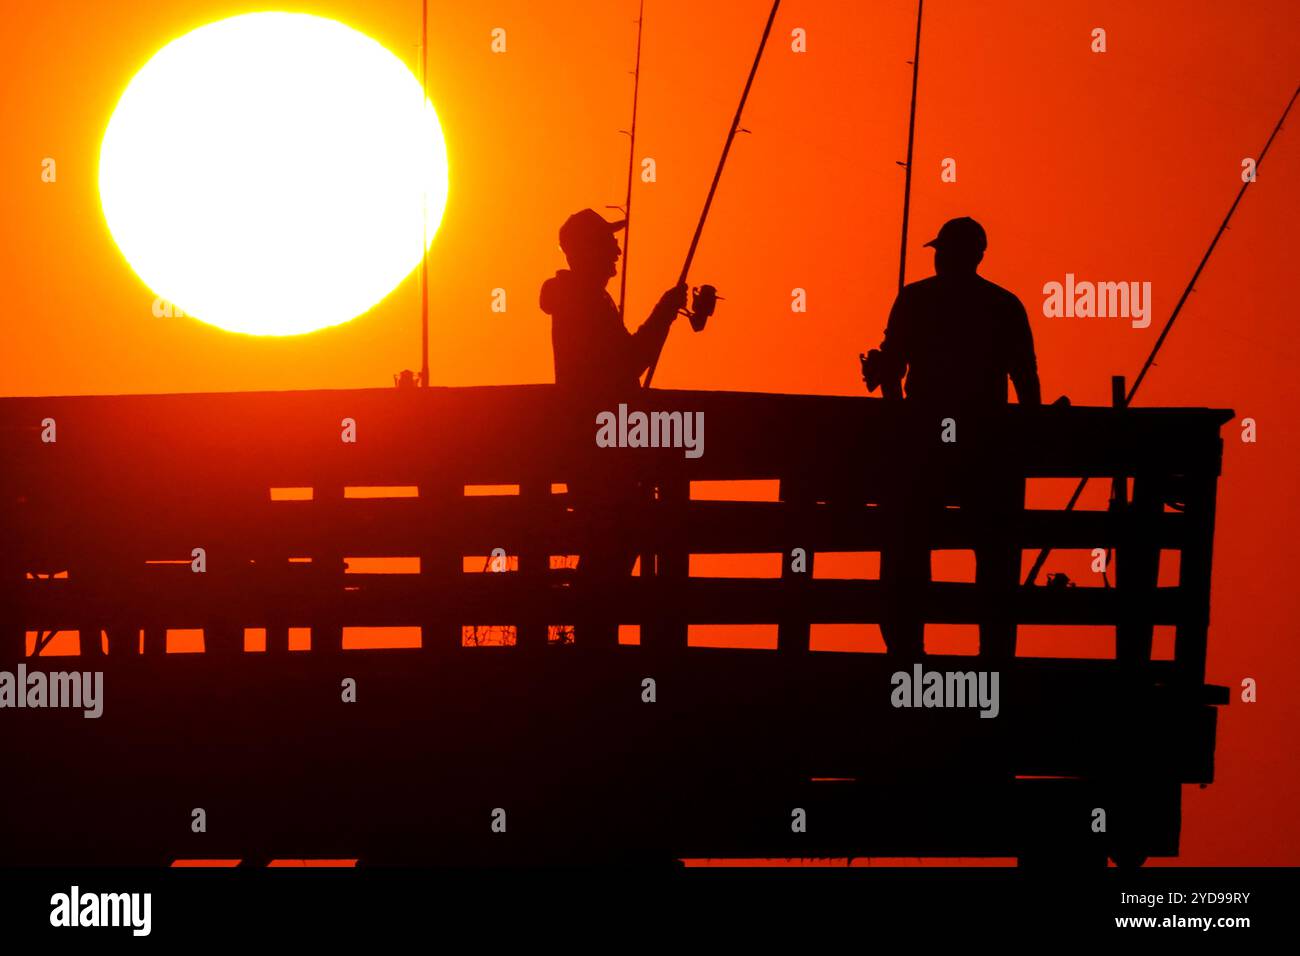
{"x":598,"y":363}
{"x":957,"y":338}
{"x":592,"y":348}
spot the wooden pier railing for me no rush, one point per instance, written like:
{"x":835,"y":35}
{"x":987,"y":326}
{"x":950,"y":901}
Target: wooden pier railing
{"x":129,"y":516}
{"x":134,"y":480}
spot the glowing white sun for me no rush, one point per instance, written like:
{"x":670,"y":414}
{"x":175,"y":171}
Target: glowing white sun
{"x":269,"y":173}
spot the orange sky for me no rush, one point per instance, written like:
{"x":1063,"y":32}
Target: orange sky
{"x":1116,"y":166}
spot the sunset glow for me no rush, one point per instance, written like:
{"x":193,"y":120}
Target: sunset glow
{"x":267,"y":173}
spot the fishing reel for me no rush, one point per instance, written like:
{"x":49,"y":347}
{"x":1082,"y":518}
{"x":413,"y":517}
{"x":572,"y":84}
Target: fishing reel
{"x":704,"y":299}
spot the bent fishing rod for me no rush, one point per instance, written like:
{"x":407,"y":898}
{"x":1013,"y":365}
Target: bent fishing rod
{"x":1164,"y":332}
{"x":911,"y":139}
{"x":705,"y":299}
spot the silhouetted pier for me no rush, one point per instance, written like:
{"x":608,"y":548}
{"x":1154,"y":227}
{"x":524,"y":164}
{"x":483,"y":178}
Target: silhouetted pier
{"x":100,"y":527}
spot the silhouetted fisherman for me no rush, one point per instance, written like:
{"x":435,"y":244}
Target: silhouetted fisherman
{"x":598,"y":364}
{"x":957,"y":338}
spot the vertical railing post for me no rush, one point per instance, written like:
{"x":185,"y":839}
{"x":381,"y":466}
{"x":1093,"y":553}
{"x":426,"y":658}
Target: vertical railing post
{"x":441,"y":564}
{"x":1194,"y":577}
{"x":1136,"y":558}
{"x":672,"y":564}
{"x":226,"y":586}
{"x":327,"y":572}
{"x":794,"y":628}
{"x":534,"y":565}
{"x":1137,"y":569}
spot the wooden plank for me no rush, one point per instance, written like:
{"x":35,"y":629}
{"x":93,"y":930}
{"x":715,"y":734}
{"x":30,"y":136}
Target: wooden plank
{"x":388,"y":600}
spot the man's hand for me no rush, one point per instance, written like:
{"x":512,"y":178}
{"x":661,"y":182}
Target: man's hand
{"x":879,"y":371}
{"x":672,"y":301}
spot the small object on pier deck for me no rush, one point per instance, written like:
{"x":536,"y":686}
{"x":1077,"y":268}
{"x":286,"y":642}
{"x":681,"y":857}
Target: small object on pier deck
{"x":1117,"y":397}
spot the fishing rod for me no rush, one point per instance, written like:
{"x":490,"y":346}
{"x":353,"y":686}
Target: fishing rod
{"x":705,"y":298}
{"x":631,"y":164}
{"x":911,"y":139}
{"x":871,"y":372}
{"x":1164,"y":332}
{"x":424,"y":247}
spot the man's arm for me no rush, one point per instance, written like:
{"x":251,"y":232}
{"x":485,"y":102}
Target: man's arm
{"x":1023,"y":364}
{"x":893,"y":353}
{"x":648,"y":340}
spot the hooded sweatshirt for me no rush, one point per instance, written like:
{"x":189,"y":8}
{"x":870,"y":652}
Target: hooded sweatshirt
{"x":594,"y":352}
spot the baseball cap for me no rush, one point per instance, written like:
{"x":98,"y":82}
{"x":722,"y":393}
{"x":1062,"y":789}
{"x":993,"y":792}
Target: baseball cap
{"x":962,"y":233}
{"x":583,"y":228}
